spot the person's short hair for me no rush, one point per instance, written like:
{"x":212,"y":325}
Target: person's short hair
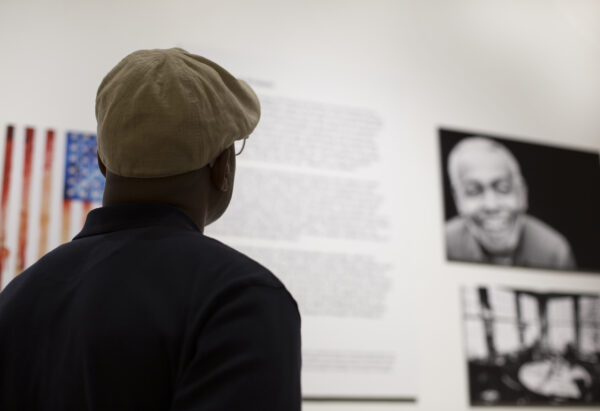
{"x":465,"y":148}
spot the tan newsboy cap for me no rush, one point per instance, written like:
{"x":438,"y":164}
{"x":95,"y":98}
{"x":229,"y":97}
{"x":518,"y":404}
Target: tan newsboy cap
{"x":167,"y":112}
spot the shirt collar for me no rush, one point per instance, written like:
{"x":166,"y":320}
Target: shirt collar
{"x":127,"y":216}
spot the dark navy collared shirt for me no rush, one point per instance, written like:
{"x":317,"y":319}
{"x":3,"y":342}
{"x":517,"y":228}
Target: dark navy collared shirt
{"x":141,"y":311}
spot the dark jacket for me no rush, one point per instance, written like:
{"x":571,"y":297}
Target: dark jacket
{"x":141,"y":311}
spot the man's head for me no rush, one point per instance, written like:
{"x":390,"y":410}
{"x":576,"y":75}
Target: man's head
{"x":167,"y":121}
{"x":489,"y":192}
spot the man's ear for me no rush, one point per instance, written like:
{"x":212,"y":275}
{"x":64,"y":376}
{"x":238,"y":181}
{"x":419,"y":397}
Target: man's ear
{"x":220,"y":173}
{"x":101,"y":165}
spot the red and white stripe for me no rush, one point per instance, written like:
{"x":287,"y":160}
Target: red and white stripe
{"x":34,"y":217}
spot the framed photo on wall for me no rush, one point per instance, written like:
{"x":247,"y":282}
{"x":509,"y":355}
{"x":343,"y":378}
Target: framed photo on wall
{"x":514,"y":203}
{"x":527,"y":347}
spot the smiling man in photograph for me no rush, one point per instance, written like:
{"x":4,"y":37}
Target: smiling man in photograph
{"x":492,"y":224}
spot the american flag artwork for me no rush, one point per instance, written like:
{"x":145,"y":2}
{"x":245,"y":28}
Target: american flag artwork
{"x":49,"y":181}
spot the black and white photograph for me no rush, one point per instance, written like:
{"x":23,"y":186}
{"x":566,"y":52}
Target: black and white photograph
{"x":532,"y":348}
{"x":514,"y":203}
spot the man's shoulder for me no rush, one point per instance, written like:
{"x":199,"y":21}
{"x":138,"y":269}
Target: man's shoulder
{"x":544,"y":246}
{"x":197,"y":253}
{"x":544,"y":234}
{"x":150,"y":254}
{"x":236,"y":262}
{"x":460,"y":244}
{"x":236,"y":274}
{"x":201,"y":255}
{"x":455,"y":227}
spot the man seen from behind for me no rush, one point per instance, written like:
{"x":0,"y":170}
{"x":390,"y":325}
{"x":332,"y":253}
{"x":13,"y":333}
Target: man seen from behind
{"x":141,"y":311}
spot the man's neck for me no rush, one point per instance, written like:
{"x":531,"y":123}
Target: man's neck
{"x":184,"y":191}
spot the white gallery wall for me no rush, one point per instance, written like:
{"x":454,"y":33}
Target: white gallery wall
{"x":526,"y":69}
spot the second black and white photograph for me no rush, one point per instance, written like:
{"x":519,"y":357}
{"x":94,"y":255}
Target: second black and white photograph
{"x":513,"y":203}
{"x":532,"y":348}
